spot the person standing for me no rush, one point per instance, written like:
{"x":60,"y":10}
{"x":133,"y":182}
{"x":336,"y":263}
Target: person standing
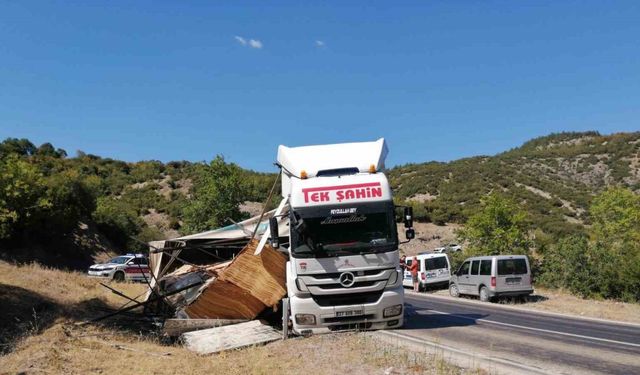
{"x":413,"y":268}
{"x":403,"y":263}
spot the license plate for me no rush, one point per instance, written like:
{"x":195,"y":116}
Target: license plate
{"x":340,"y":314}
{"x":514,"y":280}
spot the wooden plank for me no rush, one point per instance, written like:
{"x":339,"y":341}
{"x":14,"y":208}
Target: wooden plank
{"x":176,"y":327}
{"x":229,"y":337}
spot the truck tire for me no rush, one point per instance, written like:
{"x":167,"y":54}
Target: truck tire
{"x":484,"y":294}
{"x":118,"y":276}
{"x":453,"y":290}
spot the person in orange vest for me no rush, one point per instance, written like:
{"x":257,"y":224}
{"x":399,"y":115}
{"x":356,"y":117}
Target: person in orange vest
{"x":413,"y":268}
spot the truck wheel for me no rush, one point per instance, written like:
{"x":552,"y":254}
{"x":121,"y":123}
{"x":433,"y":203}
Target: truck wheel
{"x":118,"y":276}
{"x":484,"y":294}
{"x":453,"y":290}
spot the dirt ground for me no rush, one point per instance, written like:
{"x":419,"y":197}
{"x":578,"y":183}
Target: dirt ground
{"x":40,"y":310}
{"x":428,"y":237}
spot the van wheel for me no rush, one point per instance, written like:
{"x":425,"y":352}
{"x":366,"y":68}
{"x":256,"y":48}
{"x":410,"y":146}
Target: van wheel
{"x":453,"y":290}
{"x":484,"y":294}
{"x":118,"y":276}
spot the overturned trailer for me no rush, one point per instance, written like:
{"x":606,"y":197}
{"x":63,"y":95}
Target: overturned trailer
{"x":220,"y":273}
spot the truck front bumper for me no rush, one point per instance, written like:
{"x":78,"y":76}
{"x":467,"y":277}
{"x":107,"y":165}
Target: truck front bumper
{"x":368,"y":316}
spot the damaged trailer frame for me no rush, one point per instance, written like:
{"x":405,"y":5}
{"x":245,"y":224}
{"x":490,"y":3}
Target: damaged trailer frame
{"x":236,"y":281}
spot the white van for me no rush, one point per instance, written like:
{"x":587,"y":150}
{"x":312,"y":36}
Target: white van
{"x":493,"y":276}
{"x":433,"y":269}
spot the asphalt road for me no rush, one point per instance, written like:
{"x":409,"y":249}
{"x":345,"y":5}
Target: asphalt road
{"x":553,"y":344}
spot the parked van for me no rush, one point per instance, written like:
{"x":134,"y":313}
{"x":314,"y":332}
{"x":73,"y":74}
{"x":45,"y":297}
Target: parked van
{"x":433,"y":269}
{"x":492,"y":276}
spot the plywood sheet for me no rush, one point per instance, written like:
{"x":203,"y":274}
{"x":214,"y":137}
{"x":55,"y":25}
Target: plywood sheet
{"x":235,"y":336}
{"x":176,"y":327}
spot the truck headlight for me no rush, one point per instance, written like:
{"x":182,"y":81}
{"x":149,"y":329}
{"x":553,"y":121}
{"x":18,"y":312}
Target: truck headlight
{"x":306,"y":319}
{"x":390,"y":311}
{"x":393,"y":278}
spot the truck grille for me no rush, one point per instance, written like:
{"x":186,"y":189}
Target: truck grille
{"x":355,"y":285}
{"x":336,"y":275}
{"x":347,"y":299}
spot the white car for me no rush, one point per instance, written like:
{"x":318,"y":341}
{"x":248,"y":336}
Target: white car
{"x":130,"y":267}
{"x":450,"y":248}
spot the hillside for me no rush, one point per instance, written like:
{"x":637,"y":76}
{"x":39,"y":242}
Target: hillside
{"x":552,"y":177}
{"x":54,"y":207}
{"x":70,"y":211}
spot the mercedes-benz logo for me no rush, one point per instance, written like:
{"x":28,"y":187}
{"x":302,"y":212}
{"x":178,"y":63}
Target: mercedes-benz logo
{"x":347,"y":279}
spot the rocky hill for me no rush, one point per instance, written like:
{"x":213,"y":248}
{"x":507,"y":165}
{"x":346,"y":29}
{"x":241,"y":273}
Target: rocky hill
{"x":553,"y":177}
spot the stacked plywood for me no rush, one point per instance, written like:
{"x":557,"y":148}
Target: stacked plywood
{"x":244,"y":288}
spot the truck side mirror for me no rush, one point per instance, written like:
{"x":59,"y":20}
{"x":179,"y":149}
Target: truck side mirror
{"x":410,"y":234}
{"x":408,"y":217}
{"x":274,"y":232}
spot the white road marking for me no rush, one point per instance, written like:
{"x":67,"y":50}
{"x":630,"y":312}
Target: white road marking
{"x":536,"y":329}
{"x":523,"y":309}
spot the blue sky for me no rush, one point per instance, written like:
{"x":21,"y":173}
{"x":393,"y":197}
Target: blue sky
{"x":186,"y":80}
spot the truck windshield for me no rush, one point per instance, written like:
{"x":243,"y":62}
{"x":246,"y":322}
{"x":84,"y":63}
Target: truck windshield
{"x":358,"y":231}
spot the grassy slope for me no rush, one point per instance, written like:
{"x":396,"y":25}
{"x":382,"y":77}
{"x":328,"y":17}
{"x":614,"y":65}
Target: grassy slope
{"x":553,"y":177}
{"x":38,"y":334}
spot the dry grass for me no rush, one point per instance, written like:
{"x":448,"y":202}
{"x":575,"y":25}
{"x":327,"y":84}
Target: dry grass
{"x":39,"y":307}
{"x":563,"y":302}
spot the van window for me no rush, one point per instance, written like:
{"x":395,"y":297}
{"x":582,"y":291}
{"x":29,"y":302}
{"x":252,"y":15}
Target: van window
{"x":485,"y":267}
{"x":474,"y":267}
{"x":464,"y":269}
{"x":435,"y":263}
{"x":512,"y":266}
{"x":408,"y":262}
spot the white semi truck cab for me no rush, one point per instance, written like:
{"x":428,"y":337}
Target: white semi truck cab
{"x":343,"y":270}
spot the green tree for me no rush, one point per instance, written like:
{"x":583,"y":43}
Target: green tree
{"x":22,"y":147}
{"x":499,"y":228}
{"x":615,"y":215}
{"x":615,"y":232}
{"x":70,"y":200}
{"x":607,"y":265}
{"x":117,"y":219}
{"x":216,"y":196}
{"x":22,"y":194}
